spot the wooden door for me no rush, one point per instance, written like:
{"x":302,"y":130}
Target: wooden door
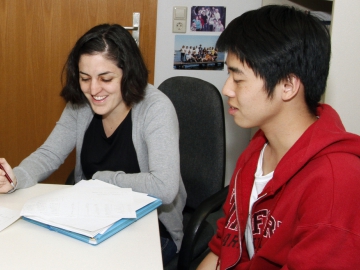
{"x":35,"y":39}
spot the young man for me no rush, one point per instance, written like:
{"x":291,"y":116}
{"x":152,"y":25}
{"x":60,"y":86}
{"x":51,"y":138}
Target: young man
{"x":293,"y":199}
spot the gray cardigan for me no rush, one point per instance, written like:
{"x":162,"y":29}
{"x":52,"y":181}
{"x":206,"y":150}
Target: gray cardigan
{"x":155,"y":134}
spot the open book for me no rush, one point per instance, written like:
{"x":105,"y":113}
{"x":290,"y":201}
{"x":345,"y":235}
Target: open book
{"x":90,"y":211}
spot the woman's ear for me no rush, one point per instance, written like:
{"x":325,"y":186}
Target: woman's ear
{"x":290,"y":87}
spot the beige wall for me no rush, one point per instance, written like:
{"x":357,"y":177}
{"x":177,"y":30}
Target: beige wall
{"x":343,"y":90}
{"x":319,"y":5}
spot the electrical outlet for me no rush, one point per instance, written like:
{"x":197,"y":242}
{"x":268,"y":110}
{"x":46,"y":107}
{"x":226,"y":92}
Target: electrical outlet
{"x":179,"y":26}
{"x":179,"y":19}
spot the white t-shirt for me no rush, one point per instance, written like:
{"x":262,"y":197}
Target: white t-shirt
{"x":259,"y":184}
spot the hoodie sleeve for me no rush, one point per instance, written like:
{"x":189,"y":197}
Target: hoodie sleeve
{"x":324,"y":247}
{"x":215,"y":243}
{"x":328,"y":234}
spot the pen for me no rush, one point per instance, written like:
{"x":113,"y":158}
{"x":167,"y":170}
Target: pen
{"x":7,"y":176}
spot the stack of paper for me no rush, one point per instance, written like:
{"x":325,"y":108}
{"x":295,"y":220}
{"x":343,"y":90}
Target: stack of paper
{"x":89,"y":208}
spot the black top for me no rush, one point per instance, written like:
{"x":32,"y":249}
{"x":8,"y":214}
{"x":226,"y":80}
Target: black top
{"x":116,"y":153}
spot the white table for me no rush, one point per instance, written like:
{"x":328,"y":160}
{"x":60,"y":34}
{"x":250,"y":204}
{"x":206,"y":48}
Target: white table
{"x":24,"y":245}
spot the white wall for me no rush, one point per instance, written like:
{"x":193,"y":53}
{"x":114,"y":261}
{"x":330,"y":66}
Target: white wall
{"x":236,"y":137}
{"x":343,"y":89}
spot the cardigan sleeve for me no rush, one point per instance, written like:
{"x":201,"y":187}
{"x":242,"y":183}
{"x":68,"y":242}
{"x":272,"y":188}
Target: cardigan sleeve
{"x":49,"y":156}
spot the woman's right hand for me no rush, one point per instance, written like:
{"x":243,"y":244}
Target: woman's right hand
{"x":5,"y":185}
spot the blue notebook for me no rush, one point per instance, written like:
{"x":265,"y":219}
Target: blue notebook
{"x":116,"y":227}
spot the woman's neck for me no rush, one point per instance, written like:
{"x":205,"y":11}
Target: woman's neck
{"x":112,"y":121}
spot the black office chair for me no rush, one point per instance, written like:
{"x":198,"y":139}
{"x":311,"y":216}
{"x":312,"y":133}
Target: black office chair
{"x":200,"y":111}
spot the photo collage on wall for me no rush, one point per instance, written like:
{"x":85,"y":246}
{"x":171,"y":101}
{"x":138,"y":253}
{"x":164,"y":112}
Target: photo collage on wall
{"x":199,"y":52}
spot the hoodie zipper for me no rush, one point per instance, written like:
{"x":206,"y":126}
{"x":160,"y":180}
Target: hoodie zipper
{"x":267,"y":216}
{"x":237,"y":220}
{"x":265,"y":224}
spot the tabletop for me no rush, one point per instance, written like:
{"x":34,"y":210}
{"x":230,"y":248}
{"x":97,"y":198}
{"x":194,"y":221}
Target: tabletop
{"x":24,"y":245}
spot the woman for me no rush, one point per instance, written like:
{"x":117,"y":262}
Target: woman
{"x":198,"y":23}
{"x":125,"y":131}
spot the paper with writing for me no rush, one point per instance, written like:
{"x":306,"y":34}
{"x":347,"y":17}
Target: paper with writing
{"x":88,"y":206}
{"x":7,"y":217}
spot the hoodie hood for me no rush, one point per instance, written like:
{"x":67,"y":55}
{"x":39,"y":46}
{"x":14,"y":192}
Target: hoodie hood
{"x":326,"y":135}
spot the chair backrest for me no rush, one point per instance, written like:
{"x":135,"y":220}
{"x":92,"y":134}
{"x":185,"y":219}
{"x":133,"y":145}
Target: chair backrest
{"x":200,"y":111}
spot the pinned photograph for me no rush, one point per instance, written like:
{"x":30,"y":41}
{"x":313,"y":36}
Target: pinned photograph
{"x":197,"y":52}
{"x":207,"y":18}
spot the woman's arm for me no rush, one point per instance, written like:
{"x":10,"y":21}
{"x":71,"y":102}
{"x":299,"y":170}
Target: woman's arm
{"x":49,"y":156}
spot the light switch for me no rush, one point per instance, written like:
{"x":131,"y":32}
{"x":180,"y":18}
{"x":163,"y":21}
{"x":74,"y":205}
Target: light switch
{"x":179,"y":19}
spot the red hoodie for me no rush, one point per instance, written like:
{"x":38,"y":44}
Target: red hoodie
{"x":310,"y":207}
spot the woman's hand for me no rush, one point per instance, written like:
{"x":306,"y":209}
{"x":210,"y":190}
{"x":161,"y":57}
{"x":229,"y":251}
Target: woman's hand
{"x":5,"y":185}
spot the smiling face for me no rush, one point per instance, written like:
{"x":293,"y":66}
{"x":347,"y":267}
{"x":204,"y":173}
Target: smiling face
{"x":248,"y":100}
{"x":100,"y":81}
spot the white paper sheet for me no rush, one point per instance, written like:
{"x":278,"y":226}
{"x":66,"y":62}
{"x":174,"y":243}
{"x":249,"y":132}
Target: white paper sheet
{"x":7,"y":217}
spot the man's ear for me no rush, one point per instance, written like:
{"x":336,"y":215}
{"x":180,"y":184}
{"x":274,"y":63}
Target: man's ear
{"x":290,"y":87}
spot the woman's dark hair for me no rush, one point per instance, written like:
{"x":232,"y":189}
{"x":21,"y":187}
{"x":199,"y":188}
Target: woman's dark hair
{"x":116,"y":44}
{"x":276,"y":41}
